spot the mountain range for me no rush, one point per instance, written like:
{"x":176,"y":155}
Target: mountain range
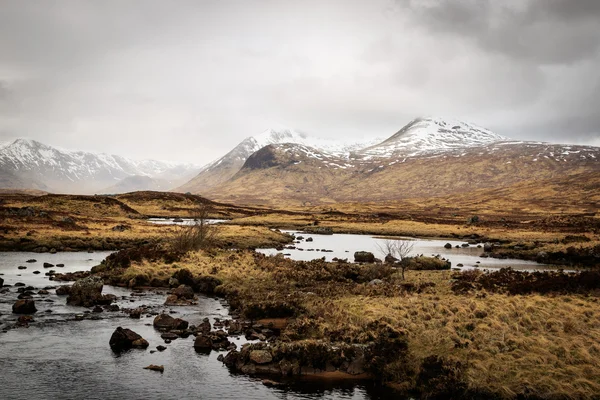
{"x":429,"y":157}
{"x":29,"y":164}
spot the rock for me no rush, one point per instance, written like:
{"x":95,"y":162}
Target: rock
{"x":231,"y":358}
{"x":53,"y":251}
{"x":169,"y":336}
{"x":25,"y":306}
{"x":447,"y":246}
{"x":160,"y":347}
{"x":136,"y":314}
{"x":31,"y":260}
{"x":261,"y":356}
{"x":1,"y":282}
{"x":183,"y":292}
{"x":203,"y":343}
{"x":43,"y":292}
{"x":376,"y":282}
{"x":19,"y":284}
{"x":364,"y":256}
{"x":488,"y":247}
{"x":309,"y":239}
{"x":204,"y":327}
{"x":165,"y":321}
{"x":123,"y":339}
{"x":36,"y":272}
{"x":60,"y":265}
{"x":21,"y":267}
{"x":98,"y":309}
{"x":63,"y":290}
{"x":113,"y":308}
{"x":153,"y":367}
{"x":86,"y":292}
{"x":48,"y":265}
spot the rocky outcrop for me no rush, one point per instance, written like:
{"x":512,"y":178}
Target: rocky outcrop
{"x":166,"y":322}
{"x":24,"y":306}
{"x":87,"y":292}
{"x":124,"y":339}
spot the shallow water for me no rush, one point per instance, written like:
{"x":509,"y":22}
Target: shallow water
{"x":184,"y":221}
{"x":344,"y":246}
{"x":60,"y":358}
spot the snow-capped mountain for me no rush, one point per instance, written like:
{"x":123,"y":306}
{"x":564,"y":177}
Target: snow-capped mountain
{"x":227,"y":166}
{"x":59,"y":170}
{"x":432,"y":135}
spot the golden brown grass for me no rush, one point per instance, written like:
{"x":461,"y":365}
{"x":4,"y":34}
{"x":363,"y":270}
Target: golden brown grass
{"x":509,"y":345}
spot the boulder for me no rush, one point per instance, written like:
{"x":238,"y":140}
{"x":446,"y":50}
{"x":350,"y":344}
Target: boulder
{"x":364,"y":256}
{"x":447,"y":246}
{"x":24,"y":306}
{"x":123,"y":339}
{"x":183,"y":292}
{"x":261,"y":356}
{"x":203,"y":343}
{"x":63,"y":290}
{"x":204,"y":327}
{"x":86,"y":292}
{"x":165,"y":321}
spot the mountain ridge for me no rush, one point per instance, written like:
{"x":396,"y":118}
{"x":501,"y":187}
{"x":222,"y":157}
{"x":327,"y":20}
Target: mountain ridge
{"x":37,"y":165}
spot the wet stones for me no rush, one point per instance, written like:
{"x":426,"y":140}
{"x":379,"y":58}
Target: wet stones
{"x":87,"y":292}
{"x":182,"y":295}
{"x":166,"y":322}
{"x":124,"y":339}
{"x":63,"y":290}
{"x":24,"y":306}
{"x":261,"y":356}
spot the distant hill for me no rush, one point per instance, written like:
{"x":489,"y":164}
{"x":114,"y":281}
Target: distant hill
{"x":29,"y":164}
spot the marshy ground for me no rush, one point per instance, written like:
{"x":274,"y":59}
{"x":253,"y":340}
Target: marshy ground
{"x":502,"y":335}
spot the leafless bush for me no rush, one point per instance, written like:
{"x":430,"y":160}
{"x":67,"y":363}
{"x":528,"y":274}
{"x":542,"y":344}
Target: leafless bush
{"x":396,"y":251}
{"x":200,"y":234}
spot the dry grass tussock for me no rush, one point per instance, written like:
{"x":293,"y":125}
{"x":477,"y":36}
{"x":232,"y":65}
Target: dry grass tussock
{"x":548,"y":346}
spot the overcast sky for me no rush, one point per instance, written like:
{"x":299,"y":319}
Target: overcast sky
{"x":187,"y":80}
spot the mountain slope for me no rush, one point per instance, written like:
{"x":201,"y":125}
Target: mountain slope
{"x":227,"y":166}
{"x":32,"y":164}
{"x":420,"y":161}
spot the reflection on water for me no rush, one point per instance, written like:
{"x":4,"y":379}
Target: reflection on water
{"x":344,"y":245}
{"x":60,"y":358}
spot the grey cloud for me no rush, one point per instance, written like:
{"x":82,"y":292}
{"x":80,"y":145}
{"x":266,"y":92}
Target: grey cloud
{"x":187,"y":80}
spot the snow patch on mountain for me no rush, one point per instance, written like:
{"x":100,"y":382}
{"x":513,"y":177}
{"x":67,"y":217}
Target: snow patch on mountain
{"x":75,"y":170}
{"x":432,"y":135}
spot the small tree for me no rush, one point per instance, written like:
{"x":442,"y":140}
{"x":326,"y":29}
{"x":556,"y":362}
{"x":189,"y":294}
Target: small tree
{"x":199,"y":234}
{"x":396,"y":251}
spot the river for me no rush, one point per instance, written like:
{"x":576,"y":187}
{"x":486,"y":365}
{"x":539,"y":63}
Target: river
{"x":58,"y":357}
{"x":343,"y":246}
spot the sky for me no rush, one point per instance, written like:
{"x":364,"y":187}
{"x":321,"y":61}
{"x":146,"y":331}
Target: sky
{"x":187,"y":80}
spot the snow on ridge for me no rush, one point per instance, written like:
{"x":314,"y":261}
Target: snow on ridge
{"x":430,"y":135}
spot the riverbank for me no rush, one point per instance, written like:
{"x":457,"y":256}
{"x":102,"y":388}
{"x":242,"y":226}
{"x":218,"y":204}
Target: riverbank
{"x":426,"y":334}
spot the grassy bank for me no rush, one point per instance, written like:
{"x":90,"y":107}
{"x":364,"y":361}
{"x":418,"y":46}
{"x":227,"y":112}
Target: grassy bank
{"x":460,"y":342}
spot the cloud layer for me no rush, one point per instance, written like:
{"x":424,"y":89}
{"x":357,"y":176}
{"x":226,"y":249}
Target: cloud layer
{"x":187,"y":80}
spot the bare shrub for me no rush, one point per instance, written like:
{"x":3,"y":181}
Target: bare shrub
{"x":200,"y":234}
{"x":396,"y":251}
